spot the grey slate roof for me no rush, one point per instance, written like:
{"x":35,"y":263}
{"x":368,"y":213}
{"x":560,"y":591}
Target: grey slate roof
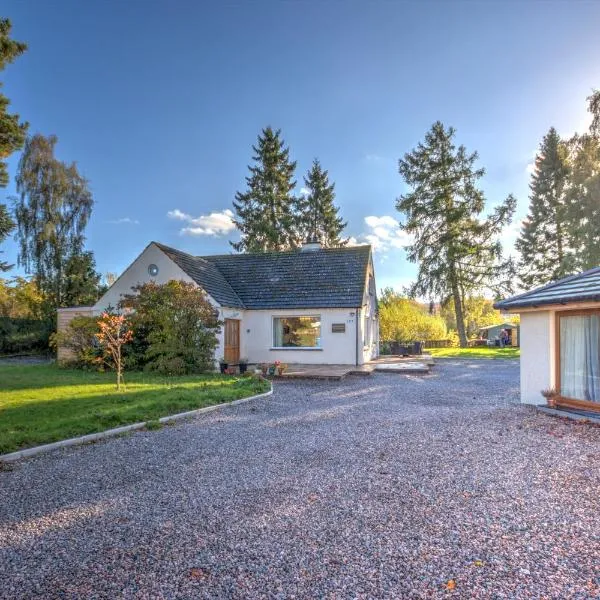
{"x":206,"y":275}
{"x":576,"y":288}
{"x":325,"y":278}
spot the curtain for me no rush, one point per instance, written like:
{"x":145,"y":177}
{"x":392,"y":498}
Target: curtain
{"x":277,"y":333}
{"x":580,"y":357}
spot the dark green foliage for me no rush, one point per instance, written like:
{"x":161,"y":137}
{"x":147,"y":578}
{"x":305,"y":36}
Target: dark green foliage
{"x":458,"y":251}
{"x":24,"y":336}
{"x":82,"y":281}
{"x":318,"y":218}
{"x":583,"y":194}
{"x":52,"y":211}
{"x":175,"y":328}
{"x":6,"y":226}
{"x":266,"y":211}
{"x":545,"y":243}
{"x":12,"y":132}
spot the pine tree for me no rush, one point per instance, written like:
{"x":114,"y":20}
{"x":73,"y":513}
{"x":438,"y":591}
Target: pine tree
{"x":52,"y":210}
{"x":583,"y":194}
{"x":266,"y":211}
{"x":82,"y":281}
{"x":318,"y":216}
{"x":12,"y":132}
{"x":458,"y":251}
{"x":6,"y":226}
{"x":546,"y":236}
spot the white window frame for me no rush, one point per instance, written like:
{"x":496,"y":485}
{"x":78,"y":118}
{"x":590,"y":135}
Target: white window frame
{"x":301,"y":348}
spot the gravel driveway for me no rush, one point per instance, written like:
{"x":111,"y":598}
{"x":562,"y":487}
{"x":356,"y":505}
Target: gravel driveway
{"x":388,"y":486}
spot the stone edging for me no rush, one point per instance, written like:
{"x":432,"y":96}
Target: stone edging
{"x":93,"y":437}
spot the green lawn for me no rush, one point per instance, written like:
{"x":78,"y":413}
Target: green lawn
{"x":43,"y":403}
{"x":476,"y":352}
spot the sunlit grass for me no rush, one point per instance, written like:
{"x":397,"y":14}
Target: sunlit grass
{"x":40,"y":404}
{"x":476,"y":352}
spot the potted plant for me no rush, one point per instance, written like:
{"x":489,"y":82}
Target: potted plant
{"x":281,"y":367}
{"x":223,"y":364}
{"x":243,"y":364}
{"x":272,"y":369}
{"x":551,"y":395}
{"x":264,"y":368}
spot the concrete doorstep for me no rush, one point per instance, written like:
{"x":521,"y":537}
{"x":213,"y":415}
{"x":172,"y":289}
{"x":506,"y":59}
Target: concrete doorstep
{"x":101,"y":435}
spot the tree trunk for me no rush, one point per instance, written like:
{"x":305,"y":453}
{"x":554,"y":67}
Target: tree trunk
{"x":458,"y":312}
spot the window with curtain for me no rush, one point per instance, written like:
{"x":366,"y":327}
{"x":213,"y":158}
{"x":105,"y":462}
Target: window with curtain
{"x":297,"y":332}
{"x":580,"y":356}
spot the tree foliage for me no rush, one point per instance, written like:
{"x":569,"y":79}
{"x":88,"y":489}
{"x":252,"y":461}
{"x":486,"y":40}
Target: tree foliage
{"x":404,"y":320}
{"x":82,"y":281}
{"x":20,"y":298}
{"x":175,"y":327}
{"x":479,"y":312}
{"x":12,"y":131}
{"x":113,"y":335}
{"x":52,"y":211}
{"x":458,"y":251}
{"x":545,"y":243}
{"x":318,"y":218}
{"x":265,"y":214}
{"x":6,"y":226}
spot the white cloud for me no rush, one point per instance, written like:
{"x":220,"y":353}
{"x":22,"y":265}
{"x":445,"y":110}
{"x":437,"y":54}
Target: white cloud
{"x":383,"y":233}
{"x":123,"y":221}
{"x":530,"y":168}
{"x":216,"y":223}
{"x":305,"y":191}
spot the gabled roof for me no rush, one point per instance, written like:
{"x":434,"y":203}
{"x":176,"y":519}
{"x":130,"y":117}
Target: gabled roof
{"x":206,"y":275}
{"x":324,"y":278}
{"x":584,"y":287}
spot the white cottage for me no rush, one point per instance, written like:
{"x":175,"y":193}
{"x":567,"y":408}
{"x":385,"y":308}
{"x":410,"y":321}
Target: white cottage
{"x":560,"y":340}
{"x":311,"y":306}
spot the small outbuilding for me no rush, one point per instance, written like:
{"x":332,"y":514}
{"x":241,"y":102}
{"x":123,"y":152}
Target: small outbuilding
{"x":491,"y":334}
{"x":560,"y":341}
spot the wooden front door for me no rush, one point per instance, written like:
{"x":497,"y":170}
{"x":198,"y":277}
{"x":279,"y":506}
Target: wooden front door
{"x":232,"y":341}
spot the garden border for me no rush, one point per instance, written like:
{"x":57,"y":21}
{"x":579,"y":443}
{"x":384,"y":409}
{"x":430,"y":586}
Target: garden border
{"x":101,"y":435}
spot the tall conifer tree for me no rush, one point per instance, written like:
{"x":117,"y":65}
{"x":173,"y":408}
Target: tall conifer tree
{"x":457,"y":250}
{"x":265,"y":213}
{"x":12,"y":131}
{"x":583,"y":193}
{"x":545,"y":243}
{"x":318,"y":217}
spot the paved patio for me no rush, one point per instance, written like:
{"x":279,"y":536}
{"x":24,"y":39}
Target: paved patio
{"x":413,"y":365}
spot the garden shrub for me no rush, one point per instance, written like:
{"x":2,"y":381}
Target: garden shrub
{"x":175,"y":328}
{"x":79,"y":336}
{"x":24,"y":335}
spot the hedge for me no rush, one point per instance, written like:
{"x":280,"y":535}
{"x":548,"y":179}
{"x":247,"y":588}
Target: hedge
{"x":20,"y":336}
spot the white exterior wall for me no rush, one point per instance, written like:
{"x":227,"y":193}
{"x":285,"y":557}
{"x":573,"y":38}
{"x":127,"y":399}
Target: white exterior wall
{"x":256,"y":337}
{"x":537,"y":355}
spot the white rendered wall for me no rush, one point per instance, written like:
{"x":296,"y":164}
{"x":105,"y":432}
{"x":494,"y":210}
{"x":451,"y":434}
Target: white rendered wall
{"x":336,"y":348}
{"x":537,"y":355}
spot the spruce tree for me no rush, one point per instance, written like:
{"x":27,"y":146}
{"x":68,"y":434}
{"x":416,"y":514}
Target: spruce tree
{"x":546,"y":236}
{"x":458,"y":251}
{"x":318,"y":218}
{"x":266,"y":211}
{"x":583,"y":193}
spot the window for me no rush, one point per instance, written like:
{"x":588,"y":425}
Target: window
{"x":297,"y":332}
{"x":579,"y":371}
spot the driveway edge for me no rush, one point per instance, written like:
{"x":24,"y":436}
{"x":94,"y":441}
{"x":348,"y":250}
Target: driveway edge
{"x":101,"y":435}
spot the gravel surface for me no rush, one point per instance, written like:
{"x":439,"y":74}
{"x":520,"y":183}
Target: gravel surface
{"x":386,"y":486}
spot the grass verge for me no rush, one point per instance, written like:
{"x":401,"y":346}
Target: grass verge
{"x":40,"y":404}
{"x":476,"y":352}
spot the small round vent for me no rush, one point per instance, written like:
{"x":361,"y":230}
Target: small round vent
{"x":152,"y":270}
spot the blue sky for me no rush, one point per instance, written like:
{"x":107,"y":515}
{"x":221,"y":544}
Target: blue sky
{"x":159,"y":103}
